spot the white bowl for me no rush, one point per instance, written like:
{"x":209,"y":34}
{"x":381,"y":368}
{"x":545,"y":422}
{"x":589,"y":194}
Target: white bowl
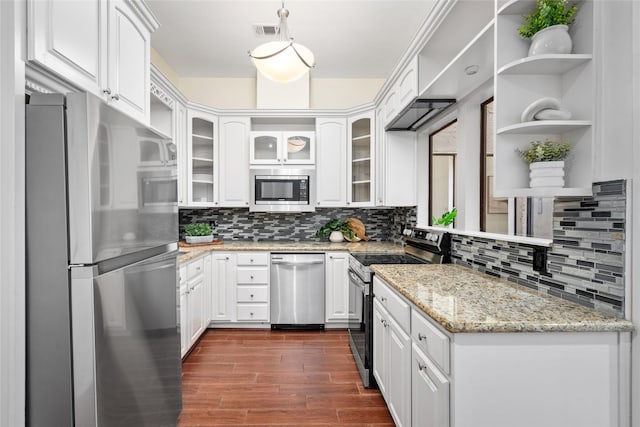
{"x":294,"y":145}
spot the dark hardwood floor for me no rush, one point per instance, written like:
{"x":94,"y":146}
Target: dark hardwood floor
{"x":274,"y":378}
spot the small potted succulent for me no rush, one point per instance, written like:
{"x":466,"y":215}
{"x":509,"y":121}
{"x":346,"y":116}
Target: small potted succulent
{"x":546,"y":162}
{"x":198,"y":233}
{"x":336,"y":229}
{"x":547,"y":27}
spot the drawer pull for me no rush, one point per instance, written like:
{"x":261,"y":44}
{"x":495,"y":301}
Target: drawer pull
{"x":251,"y":260}
{"x":421,"y":337}
{"x":251,"y":296}
{"x":383,"y":299}
{"x":252,"y":277}
{"x":251,"y":314}
{"x":421,"y":367}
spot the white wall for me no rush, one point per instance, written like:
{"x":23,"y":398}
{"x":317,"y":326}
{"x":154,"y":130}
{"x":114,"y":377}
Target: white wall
{"x":12,"y":268}
{"x":223,"y":93}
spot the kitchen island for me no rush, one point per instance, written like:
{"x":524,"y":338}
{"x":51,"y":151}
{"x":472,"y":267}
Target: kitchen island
{"x":455,"y":347}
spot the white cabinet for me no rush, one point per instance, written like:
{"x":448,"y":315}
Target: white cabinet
{"x":180,"y":135}
{"x":392,"y":363}
{"x":202,"y":155}
{"x":223,"y":287}
{"x":196,"y":308}
{"x":277,"y":148}
{"x":361,"y":160}
{"x":396,"y":154}
{"x":338,"y":306}
{"x":429,"y":392}
{"x":184,"y":311}
{"x":234,"y":161}
{"x":253,"y":287}
{"x":407,"y":84}
{"x":102,"y":47}
{"x":194,"y":285}
{"x":521,"y":80}
{"x":331,"y":162}
{"x":208,"y":289}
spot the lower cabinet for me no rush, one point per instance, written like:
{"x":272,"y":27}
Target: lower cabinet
{"x":223,"y":286}
{"x":340,"y":306}
{"x":184,"y":311}
{"x":429,"y":392}
{"x":252,"y":291}
{"x":194,"y":285}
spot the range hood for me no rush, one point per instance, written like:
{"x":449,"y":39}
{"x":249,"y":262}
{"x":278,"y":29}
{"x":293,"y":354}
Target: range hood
{"x":418,"y":112}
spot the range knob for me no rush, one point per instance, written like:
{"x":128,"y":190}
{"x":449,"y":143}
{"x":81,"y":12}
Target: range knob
{"x":434,"y":237}
{"x":429,"y":236}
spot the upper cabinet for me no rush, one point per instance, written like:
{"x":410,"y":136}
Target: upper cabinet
{"x":102,"y":47}
{"x":277,"y":148}
{"x":361,"y":155}
{"x":234,"y":161}
{"x":523,"y":81}
{"x":331,"y":167}
{"x":202,"y":152}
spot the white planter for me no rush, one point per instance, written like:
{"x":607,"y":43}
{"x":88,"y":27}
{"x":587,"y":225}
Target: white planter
{"x":199,"y":239}
{"x":336,"y":236}
{"x":553,"y":39}
{"x":546,"y":174}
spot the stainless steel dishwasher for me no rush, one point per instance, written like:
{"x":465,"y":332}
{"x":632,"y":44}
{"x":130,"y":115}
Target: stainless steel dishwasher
{"x":297,"y":291}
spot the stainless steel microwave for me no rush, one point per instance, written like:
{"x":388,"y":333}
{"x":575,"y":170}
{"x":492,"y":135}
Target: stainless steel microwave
{"x":283,"y":190}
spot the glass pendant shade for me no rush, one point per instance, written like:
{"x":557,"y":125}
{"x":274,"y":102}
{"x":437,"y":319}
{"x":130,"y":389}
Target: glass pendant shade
{"x":282,"y":60}
{"x":285,"y":66}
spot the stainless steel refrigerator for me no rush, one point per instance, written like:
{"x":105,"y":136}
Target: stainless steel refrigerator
{"x":103,"y":345}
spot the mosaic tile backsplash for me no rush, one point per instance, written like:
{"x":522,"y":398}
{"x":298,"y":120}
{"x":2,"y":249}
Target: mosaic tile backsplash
{"x":586,"y":263}
{"x":240,"y":224}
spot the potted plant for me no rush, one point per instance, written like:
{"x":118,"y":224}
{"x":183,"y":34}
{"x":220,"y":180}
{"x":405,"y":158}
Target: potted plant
{"x":546,"y":162}
{"x":547,"y":27}
{"x":198,"y":233}
{"x":336,"y":229}
{"x":446,"y":219}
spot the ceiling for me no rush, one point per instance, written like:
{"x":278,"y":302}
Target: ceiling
{"x":349,"y":38}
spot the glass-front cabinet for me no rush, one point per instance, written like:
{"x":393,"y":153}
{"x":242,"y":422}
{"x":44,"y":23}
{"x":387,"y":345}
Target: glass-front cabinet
{"x":295,"y":148}
{"x":202,"y":156}
{"x":361,"y":160}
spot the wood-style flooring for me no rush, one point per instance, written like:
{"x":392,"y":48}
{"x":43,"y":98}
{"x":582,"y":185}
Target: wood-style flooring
{"x":276,"y":378}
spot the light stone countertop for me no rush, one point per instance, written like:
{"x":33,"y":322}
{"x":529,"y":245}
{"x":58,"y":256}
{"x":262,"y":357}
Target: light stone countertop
{"x":463,"y":300}
{"x":191,"y":253}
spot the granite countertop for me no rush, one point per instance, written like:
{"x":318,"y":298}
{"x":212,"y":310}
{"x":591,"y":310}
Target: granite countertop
{"x":190,"y":253}
{"x":463,"y":300}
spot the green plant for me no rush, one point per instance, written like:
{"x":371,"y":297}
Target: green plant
{"x":198,"y":229}
{"x":446,"y":218}
{"x":545,"y":151}
{"x":335,"y":225}
{"x":547,"y":13}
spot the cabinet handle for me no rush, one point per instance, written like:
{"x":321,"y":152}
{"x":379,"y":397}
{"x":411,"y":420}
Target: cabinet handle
{"x":421,"y":337}
{"x":251,"y":260}
{"x":251,"y":314}
{"x":227,"y":258}
{"x":421,"y":367}
{"x":348,"y":203}
{"x":106,"y":91}
{"x":251,"y":296}
{"x":252,"y":277}
{"x":383,"y":299}
{"x":284,"y":160}
{"x":246,"y":203}
{"x":318,"y":203}
{"x":115,"y":97}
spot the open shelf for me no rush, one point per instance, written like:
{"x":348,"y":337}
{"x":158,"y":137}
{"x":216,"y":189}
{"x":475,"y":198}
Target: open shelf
{"x":360,"y":138}
{"x":543,"y":127}
{"x":517,"y":7}
{"x":208,"y":138}
{"x":545,"y":192}
{"x":545,"y":64}
{"x":364,"y":181}
{"x":364,"y":159}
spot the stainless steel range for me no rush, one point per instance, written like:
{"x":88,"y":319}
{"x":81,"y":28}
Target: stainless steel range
{"x":421,"y":247}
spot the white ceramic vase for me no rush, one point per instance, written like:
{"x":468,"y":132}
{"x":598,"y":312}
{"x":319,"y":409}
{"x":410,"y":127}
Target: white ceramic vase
{"x":336,"y":236}
{"x":546,"y":174}
{"x":553,"y":39}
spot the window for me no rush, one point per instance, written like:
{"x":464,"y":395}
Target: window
{"x":443,"y":148}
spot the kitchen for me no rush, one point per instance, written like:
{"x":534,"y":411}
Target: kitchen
{"x":609,"y":90}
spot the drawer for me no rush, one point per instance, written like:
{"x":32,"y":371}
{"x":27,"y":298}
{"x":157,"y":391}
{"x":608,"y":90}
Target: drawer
{"x":395,"y":305}
{"x":195,"y":268}
{"x":253,"y":293}
{"x":253,"y":312}
{"x":253,"y":275}
{"x":253,"y":258}
{"x":430,"y":339}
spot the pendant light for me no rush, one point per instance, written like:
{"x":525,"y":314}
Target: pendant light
{"x":282,"y":60}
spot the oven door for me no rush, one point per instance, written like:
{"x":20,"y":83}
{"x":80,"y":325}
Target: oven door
{"x":361,"y":333}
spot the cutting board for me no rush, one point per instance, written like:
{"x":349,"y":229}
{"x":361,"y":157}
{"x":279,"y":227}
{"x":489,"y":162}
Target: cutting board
{"x":357,"y":227}
{"x":184,"y":244}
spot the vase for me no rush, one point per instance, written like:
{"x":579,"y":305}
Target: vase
{"x":199,"y":239}
{"x":336,"y":236}
{"x":553,"y":39}
{"x":546,"y":174}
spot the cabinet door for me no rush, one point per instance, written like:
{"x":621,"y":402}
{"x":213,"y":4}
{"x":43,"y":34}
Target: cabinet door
{"x":298,"y":148}
{"x":390,"y":105}
{"x":180,"y":138}
{"x":407,"y":84}
{"x":207,"y":291}
{"x":331,"y":165}
{"x":380,"y":144}
{"x":399,"y":373}
{"x":264,"y":148}
{"x":202,"y":155}
{"x":223,"y":298}
{"x":68,"y":38}
{"x":234,"y":161}
{"x":184,"y":320}
{"x":337,"y":287}
{"x":380,"y":353}
{"x":400,"y":168}
{"x":429,"y":392}
{"x":361,"y":157}
{"x":129,"y":57}
{"x":196,"y":308}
